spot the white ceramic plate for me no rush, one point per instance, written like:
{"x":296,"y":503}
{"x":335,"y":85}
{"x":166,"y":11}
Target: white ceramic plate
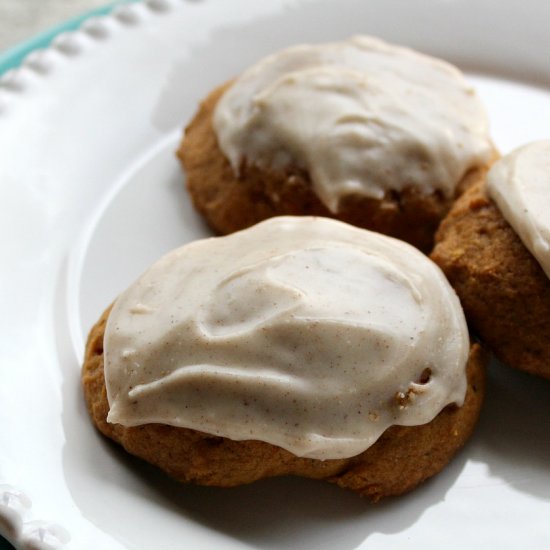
{"x":91,"y":194}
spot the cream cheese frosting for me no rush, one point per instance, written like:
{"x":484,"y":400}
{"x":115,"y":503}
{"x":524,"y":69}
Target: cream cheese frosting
{"x":519,"y":183}
{"x":361,"y":117}
{"x":306,"y":333}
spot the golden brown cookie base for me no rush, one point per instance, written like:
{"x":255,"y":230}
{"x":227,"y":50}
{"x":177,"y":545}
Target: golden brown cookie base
{"x":230,"y":203}
{"x":504,"y":291}
{"x":402,"y":458}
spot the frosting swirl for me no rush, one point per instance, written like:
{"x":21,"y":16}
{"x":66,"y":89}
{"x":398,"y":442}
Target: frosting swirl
{"x":361,"y":116}
{"x":307,"y":333}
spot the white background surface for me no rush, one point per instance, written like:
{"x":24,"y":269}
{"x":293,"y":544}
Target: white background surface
{"x":21,"y":19}
{"x":91,"y":193}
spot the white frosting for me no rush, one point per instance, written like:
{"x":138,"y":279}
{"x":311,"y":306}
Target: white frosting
{"x":307,"y":333}
{"x":361,"y":116}
{"x":519,"y":183}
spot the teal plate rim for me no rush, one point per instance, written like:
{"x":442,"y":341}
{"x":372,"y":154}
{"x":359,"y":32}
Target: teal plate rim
{"x":13,"y":57}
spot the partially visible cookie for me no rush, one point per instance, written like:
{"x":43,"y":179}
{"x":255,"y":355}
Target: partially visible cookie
{"x":362,"y":131}
{"x":503,"y":288}
{"x":225,"y":368}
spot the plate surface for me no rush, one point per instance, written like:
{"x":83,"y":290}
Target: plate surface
{"x":91,"y":194}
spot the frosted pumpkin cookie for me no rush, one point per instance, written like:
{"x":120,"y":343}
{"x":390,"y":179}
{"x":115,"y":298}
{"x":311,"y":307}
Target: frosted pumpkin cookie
{"x":373,"y":134}
{"x":330,"y":352}
{"x":494,"y":248}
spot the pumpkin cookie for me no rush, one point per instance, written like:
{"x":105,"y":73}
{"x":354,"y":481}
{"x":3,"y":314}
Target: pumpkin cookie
{"x":369,"y":133}
{"x":228,"y":361}
{"x":494,"y":247}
